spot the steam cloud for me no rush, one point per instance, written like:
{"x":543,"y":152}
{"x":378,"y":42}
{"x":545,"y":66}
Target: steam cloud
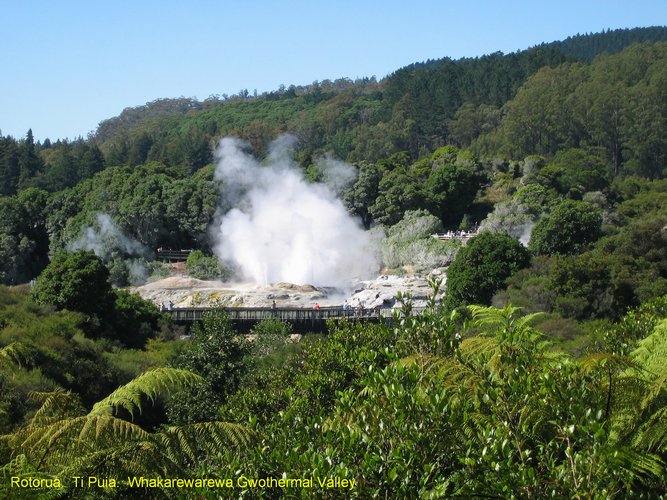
{"x":108,"y":242}
{"x":512,"y":218}
{"x":278,"y":227}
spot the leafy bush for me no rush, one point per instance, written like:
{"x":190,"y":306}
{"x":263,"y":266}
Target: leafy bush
{"x":577,"y":170}
{"x":269,"y":335}
{"x":205,"y":267}
{"x":567,"y":230}
{"x":636,"y":324}
{"x":481,"y":268}
{"x":590,"y":286}
{"x":218,"y":354}
{"x":76,"y":281}
{"x":157,"y":270}
{"x":536,"y":198}
{"x":135,"y":320}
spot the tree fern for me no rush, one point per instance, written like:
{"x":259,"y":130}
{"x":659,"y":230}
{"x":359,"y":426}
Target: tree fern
{"x":150,"y":385}
{"x":651,"y":351}
{"x":209,"y":437}
{"x":63,"y":441}
{"x":650,"y":354}
{"x":505,"y":323}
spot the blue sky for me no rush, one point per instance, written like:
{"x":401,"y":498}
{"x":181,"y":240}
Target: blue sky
{"x":68,"y":65}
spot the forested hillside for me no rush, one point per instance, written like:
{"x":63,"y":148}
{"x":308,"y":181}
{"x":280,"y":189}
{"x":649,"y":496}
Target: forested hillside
{"x":587,"y":47}
{"x":540,"y":374}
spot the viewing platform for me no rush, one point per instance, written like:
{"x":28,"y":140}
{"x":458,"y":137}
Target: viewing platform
{"x":301,"y":319}
{"x":167,"y":255}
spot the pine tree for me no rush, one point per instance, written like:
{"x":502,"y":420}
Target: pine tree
{"x":29,"y":162}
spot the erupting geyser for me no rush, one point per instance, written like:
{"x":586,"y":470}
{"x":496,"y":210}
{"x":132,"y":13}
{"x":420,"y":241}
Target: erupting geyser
{"x":282,"y":228}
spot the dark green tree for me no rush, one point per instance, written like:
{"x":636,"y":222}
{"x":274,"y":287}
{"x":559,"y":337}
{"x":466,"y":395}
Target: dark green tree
{"x":60,"y":170}
{"x":481,"y":268}
{"x":89,"y":158}
{"x":217,"y":353}
{"x":139,"y":149}
{"x":29,"y":162}
{"x":451,"y":185}
{"x":135,"y":320}
{"x":567,"y":230}
{"x":576,"y":171}
{"x":75,"y":281}
{"x":591,"y":285}
{"x":363,"y":192}
{"x":23,"y":237}
{"x":9,"y":166}
{"x":399,"y":190}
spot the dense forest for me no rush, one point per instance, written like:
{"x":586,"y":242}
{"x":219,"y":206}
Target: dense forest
{"x":541,"y":373}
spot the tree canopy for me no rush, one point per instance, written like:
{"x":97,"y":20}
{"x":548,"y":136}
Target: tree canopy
{"x":481,"y":268}
{"x":567,"y":230}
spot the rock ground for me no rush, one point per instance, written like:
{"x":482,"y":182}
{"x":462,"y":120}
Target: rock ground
{"x":184,"y":291}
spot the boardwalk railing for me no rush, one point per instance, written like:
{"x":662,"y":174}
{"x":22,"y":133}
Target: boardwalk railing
{"x":186,"y":314}
{"x":173,"y":255}
{"x":315,"y":319}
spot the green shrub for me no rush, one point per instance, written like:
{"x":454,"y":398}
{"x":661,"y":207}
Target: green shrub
{"x":481,"y":268}
{"x":206,"y":267}
{"x":568,"y":230}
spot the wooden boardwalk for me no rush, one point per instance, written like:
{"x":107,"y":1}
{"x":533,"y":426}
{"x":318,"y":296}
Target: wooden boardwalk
{"x":301,"y":319}
{"x":167,"y":255}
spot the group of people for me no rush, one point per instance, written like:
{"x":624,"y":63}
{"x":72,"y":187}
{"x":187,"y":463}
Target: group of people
{"x":169,"y":306}
{"x":349,"y":308}
{"x":449,"y":235}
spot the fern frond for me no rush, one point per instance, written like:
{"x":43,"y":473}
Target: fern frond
{"x":14,"y":353}
{"x":652,"y":350}
{"x":17,"y":466}
{"x":64,"y":439}
{"x":629,"y":392}
{"x":60,"y":441}
{"x":483,"y":315}
{"x":427,"y":363}
{"x":209,"y":438}
{"x":161,"y":381}
{"x":506,"y":318}
{"x":652,"y":435}
{"x":613,"y":363}
{"x":640,"y":465}
{"x":222,"y":433}
{"x":478,"y":346}
{"x":533,"y":416}
{"x":132,"y":458}
{"x":456,"y":375}
{"x":54,"y":406}
{"x":20,"y":467}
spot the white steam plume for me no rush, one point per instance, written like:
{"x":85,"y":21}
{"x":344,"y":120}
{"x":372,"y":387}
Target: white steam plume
{"x":510,"y":217}
{"x":524,"y":239}
{"x":336,"y":174}
{"x":281,"y":227}
{"x":108,"y":242}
